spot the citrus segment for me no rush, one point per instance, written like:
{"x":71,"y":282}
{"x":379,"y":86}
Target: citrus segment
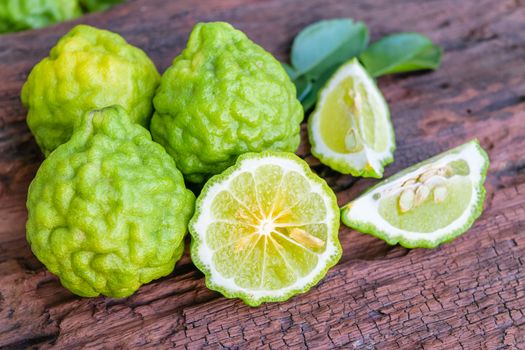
{"x":350,"y":129}
{"x":427,"y":204}
{"x":265,"y":229}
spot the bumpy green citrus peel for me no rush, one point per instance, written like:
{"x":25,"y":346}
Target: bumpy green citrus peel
{"x":108,"y":210}
{"x":222,"y":97}
{"x":89,"y":68}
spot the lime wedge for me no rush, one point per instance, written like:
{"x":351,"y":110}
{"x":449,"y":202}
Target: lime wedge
{"x":350,"y":129}
{"x":265,"y":229}
{"x":427,"y":204}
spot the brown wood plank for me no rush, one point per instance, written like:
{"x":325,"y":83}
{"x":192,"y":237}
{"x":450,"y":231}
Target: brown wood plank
{"x":466,"y":294}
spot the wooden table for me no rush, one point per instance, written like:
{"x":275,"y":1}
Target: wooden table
{"x":467,"y":294}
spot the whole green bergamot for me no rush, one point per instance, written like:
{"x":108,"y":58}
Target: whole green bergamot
{"x":222,"y":97}
{"x":17,"y":15}
{"x":89,"y":68}
{"x":108,"y":210}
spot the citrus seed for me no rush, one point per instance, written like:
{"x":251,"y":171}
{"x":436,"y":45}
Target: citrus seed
{"x":351,"y":141}
{"x":406,"y":200}
{"x":422,"y":193}
{"x":434,"y":181}
{"x":306,"y":239}
{"x":445,"y":171}
{"x":408,"y":183}
{"x":427,"y":175}
{"x":440,"y":194}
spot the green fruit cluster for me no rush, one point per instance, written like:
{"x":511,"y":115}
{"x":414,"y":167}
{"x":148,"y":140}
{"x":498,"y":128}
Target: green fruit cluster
{"x":108,"y":208}
{"x":17,"y":15}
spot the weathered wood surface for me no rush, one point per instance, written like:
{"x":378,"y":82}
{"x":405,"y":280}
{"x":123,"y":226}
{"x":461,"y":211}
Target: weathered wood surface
{"x":467,"y":294}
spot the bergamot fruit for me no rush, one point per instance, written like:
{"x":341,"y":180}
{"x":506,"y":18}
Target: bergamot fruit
{"x":222,"y":97}
{"x":108,"y":210}
{"x":350,"y":129}
{"x":265,"y":229}
{"x":89,"y":68}
{"x":427,"y":204}
{"x":17,"y":15}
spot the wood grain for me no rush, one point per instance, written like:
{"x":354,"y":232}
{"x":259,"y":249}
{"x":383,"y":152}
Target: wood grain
{"x":468,"y":294}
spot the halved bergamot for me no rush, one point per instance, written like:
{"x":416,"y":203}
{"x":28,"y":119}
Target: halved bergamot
{"x":427,"y":204}
{"x":350,"y":129}
{"x":265,"y":229}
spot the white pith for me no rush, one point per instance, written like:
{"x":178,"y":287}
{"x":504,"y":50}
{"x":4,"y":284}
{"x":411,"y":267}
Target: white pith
{"x":365,"y":208}
{"x":357,"y":160}
{"x":205,"y":218}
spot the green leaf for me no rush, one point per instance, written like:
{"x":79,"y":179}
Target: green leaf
{"x":309,"y":99}
{"x":303,"y":86}
{"x":327,"y":43}
{"x":292,"y":73}
{"x":401,"y":52}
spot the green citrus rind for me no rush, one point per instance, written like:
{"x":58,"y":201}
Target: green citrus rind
{"x":248,"y":296}
{"x":429,"y":241}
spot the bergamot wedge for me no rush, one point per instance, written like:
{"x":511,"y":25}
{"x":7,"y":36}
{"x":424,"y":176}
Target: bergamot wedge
{"x":265,"y":229}
{"x":427,"y":204}
{"x":89,"y":68}
{"x":108,"y":210}
{"x":350,"y":129}
{"x":222,"y":97}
